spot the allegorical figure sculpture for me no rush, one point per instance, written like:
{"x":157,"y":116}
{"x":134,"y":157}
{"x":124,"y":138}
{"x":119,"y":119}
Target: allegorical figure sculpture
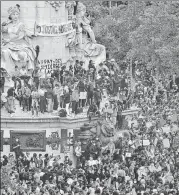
{"x":16,"y":48}
{"x":83,"y":22}
{"x":82,"y":45}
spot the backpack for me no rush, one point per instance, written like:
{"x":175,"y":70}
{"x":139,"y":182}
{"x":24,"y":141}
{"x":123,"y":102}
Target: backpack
{"x":79,"y":110}
{"x":62,"y":113}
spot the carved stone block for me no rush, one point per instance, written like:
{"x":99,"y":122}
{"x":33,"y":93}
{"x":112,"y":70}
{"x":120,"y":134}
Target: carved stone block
{"x":63,"y":140}
{"x":29,"y":140}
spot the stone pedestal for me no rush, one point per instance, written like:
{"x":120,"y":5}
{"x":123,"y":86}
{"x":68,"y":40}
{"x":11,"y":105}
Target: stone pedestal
{"x":85,"y":135}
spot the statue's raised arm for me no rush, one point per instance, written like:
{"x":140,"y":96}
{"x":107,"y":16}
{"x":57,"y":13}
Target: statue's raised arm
{"x":16,"y":48}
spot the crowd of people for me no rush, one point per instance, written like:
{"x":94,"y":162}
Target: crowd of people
{"x":143,"y":162}
{"x":67,"y":90}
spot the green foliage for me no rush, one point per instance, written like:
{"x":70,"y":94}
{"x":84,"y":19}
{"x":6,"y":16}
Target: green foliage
{"x":148,"y":32}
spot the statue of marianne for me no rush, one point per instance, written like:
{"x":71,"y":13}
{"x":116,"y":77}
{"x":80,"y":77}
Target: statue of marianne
{"x":83,"y":21}
{"x":16,"y":48}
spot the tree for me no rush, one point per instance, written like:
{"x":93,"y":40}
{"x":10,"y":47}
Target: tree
{"x":140,"y":30}
{"x":155,"y":41}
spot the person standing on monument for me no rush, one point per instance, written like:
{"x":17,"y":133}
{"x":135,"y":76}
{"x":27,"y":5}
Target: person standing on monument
{"x":82,"y":92}
{"x":75,"y":100}
{"x":56,"y":91}
{"x":26,"y":93}
{"x":67,"y":101}
{"x":15,"y":77}
{"x":36,"y":77}
{"x":42,"y":102}
{"x":10,"y":100}
{"x":78,"y":151}
{"x":50,"y":97}
{"x":35,"y":101}
{"x":17,"y":148}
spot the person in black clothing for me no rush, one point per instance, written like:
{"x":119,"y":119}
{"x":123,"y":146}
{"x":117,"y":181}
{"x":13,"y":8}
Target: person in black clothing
{"x":36,"y":77}
{"x":62,"y":74}
{"x":5,"y":160}
{"x":56,"y":74}
{"x":77,"y":67}
{"x":92,"y":111}
{"x":17,"y":148}
{"x":91,"y":65}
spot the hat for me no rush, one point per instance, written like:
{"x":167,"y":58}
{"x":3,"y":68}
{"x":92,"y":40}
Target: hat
{"x":112,"y":60}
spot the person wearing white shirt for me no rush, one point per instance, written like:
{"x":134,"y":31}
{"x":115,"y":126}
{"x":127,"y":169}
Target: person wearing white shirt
{"x":91,"y":162}
{"x":23,"y":71}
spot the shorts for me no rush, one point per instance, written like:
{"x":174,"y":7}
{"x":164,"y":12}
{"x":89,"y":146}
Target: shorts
{"x":90,"y":94}
{"x":82,"y":95}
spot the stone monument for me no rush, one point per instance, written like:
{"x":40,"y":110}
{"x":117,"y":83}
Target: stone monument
{"x":82,"y":43}
{"x":47,"y":34}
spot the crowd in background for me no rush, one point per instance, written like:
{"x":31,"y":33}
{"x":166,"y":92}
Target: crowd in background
{"x":128,"y":166}
{"x":144,"y":161}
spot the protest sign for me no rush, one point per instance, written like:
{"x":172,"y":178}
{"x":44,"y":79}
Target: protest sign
{"x":166,"y":143}
{"x":146,"y":142}
{"x":148,"y":124}
{"x":128,"y":154}
{"x":166,"y":129}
